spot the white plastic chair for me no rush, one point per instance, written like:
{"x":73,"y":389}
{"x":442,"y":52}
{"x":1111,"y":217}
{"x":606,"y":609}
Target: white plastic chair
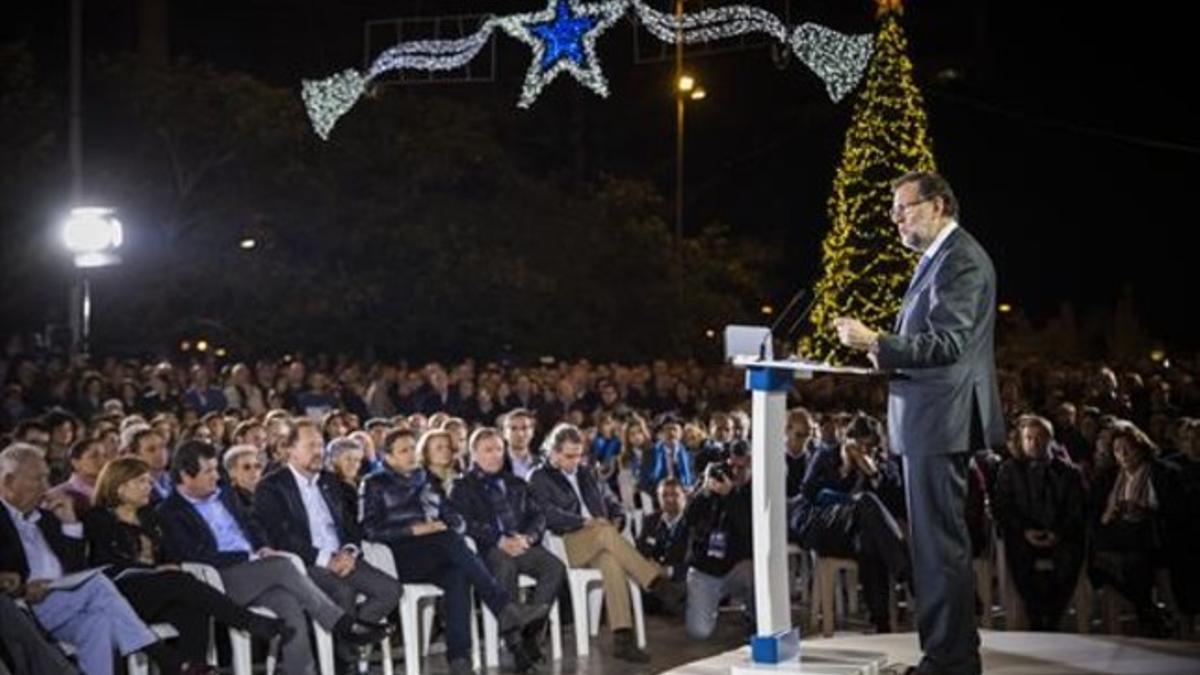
{"x":138,"y":663}
{"x":587,"y":597}
{"x":826,"y":576}
{"x":491,"y":630}
{"x":799,"y":571}
{"x":239,"y":640}
{"x":416,"y":616}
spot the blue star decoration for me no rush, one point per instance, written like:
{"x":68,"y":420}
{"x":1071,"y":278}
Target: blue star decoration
{"x":563,"y":38}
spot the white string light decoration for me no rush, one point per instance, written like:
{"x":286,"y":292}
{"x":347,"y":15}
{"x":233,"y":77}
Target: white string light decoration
{"x":563,"y":38}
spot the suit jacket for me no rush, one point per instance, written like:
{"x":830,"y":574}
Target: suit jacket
{"x":118,"y":544}
{"x":665,"y":545}
{"x":392,"y":503}
{"x":191,"y":540}
{"x":944,"y":397}
{"x":471,"y":498}
{"x":560,"y":504}
{"x":71,"y":552}
{"x":1046,"y":495}
{"x":279,"y":508}
{"x":708,"y":512}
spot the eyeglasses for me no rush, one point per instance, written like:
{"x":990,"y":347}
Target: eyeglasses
{"x":899,"y":210}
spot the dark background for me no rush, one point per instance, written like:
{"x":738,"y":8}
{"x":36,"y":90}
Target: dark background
{"x":1067,"y":129}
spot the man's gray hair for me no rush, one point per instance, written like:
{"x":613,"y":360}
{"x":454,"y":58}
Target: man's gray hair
{"x":17,"y":454}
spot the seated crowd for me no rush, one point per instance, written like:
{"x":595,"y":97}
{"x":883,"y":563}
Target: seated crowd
{"x":114,"y":480}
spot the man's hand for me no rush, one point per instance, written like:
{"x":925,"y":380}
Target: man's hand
{"x":36,"y":591}
{"x":341,"y":564}
{"x":10,"y":582}
{"x":513,"y":546}
{"x":62,"y":508}
{"x":428,"y":527}
{"x":852,"y":333}
{"x":719,"y":487}
{"x":847,"y":457}
{"x":864,"y":462}
{"x":267,"y":552}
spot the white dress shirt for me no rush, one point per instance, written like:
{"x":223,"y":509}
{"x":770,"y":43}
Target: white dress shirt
{"x":320,"y":520}
{"x":939,"y":240}
{"x":573,"y":479}
{"x":43,"y":562}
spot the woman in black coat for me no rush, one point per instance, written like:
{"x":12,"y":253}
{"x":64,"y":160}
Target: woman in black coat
{"x":127,"y":536}
{"x":1135,"y":512}
{"x":839,"y":513}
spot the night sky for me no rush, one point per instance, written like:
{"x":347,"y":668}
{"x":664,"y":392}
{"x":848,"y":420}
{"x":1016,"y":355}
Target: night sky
{"x":1066,"y":128}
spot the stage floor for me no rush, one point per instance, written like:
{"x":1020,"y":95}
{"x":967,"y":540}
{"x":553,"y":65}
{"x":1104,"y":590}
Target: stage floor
{"x":1007,"y":653}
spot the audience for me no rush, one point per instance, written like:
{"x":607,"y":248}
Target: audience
{"x":165,"y":463}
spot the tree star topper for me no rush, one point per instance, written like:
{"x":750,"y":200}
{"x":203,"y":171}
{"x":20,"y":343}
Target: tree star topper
{"x":563,"y":37}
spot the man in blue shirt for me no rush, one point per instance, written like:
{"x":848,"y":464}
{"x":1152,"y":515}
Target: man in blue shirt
{"x":205,"y":524}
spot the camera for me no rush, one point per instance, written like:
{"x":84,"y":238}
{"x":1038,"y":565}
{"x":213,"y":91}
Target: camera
{"x":718,"y":471}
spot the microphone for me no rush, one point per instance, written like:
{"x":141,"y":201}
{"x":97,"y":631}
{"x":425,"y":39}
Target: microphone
{"x":762,"y":348}
{"x":803,"y":316}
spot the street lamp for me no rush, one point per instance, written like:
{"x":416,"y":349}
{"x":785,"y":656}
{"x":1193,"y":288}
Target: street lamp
{"x":92,"y":234}
{"x":686,"y":88}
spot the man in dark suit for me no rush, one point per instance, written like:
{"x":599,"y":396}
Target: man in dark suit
{"x":507,"y":525}
{"x":589,"y":522}
{"x":205,"y":524}
{"x":302,"y":508}
{"x":41,"y":546}
{"x":943,"y":403}
{"x":664,"y":537}
{"x":23,"y":647}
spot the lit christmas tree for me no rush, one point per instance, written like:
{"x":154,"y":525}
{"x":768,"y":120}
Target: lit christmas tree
{"x":866,"y":268}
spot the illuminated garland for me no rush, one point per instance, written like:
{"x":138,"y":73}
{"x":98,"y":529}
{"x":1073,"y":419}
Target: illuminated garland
{"x":563,"y":39}
{"x":837,"y":59}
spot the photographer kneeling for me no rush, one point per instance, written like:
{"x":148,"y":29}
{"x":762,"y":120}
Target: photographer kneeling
{"x":721,"y":540}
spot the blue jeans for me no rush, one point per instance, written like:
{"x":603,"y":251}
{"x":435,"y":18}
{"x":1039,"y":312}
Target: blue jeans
{"x":444,"y":560}
{"x":705,"y":593}
{"x":95,"y":618}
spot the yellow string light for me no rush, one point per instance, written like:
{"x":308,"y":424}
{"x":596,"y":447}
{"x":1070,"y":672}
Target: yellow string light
{"x":866,"y":267}
{"x":885,"y":7}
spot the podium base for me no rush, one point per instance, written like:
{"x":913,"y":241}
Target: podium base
{"x":776,"y":648}
{"x":815,"y":661}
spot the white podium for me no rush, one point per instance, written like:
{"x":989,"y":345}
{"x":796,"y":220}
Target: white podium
{"x":776,"y":646}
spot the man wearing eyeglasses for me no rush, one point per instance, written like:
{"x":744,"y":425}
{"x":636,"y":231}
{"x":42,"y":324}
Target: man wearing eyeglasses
{"x":943,"y":403}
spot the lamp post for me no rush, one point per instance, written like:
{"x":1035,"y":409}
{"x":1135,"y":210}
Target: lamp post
{"x":92,"y":234}
{"x":686,"y":88}
{"x":679,"y":82}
